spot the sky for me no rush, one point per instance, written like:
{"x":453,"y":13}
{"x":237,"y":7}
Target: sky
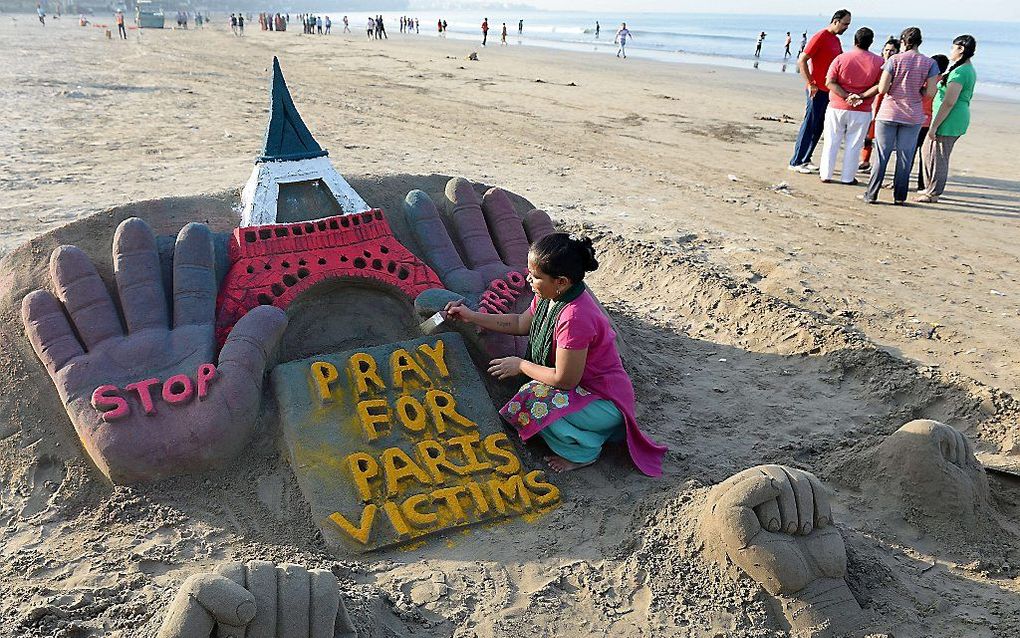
{"x":995,"y":10}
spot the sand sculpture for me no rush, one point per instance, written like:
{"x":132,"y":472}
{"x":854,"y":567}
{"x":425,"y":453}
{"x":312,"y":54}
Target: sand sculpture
{"x":491,"y":276}
{"x":293,"y":175}
{"x":273,"y":264}
{"x":392,"y":443}
{"x":153,"y":400}
{"x":258,"y":599}
{"x":927,"y":473}
{"x":775,"y":523}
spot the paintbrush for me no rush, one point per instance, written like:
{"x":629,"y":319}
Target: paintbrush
{"x":432,"y":324}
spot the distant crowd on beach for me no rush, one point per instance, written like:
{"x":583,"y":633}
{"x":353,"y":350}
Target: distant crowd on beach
{"x":901,"y":102}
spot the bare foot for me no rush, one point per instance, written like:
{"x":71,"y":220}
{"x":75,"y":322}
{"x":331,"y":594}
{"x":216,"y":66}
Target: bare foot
{"x":559,"y":464}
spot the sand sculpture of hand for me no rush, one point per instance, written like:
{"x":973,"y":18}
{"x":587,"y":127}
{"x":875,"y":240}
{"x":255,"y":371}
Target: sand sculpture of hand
{"x":485,"y":261}
{"x":150,"y":401}
{"x":775,"y":523}
{"x":928,"y":468}
{"x":258,"y":599}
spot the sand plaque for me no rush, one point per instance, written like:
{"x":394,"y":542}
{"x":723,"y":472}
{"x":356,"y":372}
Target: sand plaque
{"x":396,"y":442}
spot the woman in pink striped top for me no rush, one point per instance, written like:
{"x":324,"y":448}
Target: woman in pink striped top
{"x":901,"y":115}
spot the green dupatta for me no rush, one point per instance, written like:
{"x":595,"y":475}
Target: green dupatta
{"x":543,"y":324}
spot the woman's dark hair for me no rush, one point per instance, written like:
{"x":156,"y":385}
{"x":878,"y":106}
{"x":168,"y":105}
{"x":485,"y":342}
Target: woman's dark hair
{"x":894,"y":42}
{"x":942,"y":61}
{"x":864,"y":38}
{"x":969,"y":45}
{"x":911,"y":38}
{"x":563,"y":255}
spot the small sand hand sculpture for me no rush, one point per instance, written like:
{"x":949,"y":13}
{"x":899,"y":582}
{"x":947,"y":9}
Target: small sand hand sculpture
{"x":485,"y":262}
{"x":775,"y":523}
{"x":150,"y":401}
{"x":929,"y":467}
{"x":258,"y":599}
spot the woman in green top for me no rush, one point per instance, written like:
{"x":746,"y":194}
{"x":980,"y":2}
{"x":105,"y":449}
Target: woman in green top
{"x":952,"y":116}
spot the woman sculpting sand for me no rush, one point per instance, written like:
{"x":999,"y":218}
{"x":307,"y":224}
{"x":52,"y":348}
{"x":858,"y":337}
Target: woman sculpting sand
{"x":579,"y":396}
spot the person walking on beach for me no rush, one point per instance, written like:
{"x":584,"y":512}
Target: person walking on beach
{"x":520,"y":27}
{"x":952,"y":117}
{"x":900,"y":117}
{"x":813,"y":64}
{"x":42,"y":14}
{"x":240,"y":24}
{"x":621,"y":37}
{"x":318,"y":25}
{"x":597,"y":29}
{"x":328,"y":24}
{"x":233,"y":23}
{"x":502,"y":42}
{"x":485,"y":31}
{"x":803,"y":43}
{"x":119,"y":19}
{"x":371,"y":27}
{"x":852,"y":81}
{"x":347,"y":26}
{"x":380,"y":28}
{"x":757,"y":49}
{"x":789,"y":40}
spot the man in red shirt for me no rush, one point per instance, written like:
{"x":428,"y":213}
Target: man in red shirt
{"x":813,"y":63}
{"x":485,"y":31}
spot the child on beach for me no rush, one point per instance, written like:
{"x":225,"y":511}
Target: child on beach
{"x":579,"y":396}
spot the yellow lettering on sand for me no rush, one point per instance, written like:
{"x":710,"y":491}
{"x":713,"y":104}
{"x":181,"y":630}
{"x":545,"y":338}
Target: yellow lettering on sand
{"x":401,"y":363}
{"x":547,"y":493}
{"x":466,"y":443}
{"x":363,"y":467}
{"x":443,"y":406}
{"x":397,"y":465}
{"x":513,"y":489}
{"x":432,"y":454}
{"x":324,"y":373}
{"x":415,"y":516}
{"x":369,"y":419}
{"x":511,"y":464}
{"x":361,"y":532}
{"x":363,"y":369}
{"x":396,"y":519}
{"x":411,"y":413}
{"x":437,"y":354}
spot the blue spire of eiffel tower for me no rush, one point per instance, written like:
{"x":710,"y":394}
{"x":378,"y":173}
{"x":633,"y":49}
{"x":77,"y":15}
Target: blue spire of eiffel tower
{"x":287,"y":137}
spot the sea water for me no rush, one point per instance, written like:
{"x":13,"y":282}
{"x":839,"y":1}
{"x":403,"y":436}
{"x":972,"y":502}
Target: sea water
{"x":722,"y":39}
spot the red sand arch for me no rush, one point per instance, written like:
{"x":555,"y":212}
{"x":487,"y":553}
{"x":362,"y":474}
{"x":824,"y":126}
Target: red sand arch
{"x":273,"y":264}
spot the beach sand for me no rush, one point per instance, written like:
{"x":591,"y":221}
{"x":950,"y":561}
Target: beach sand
{"x":767,"y":323}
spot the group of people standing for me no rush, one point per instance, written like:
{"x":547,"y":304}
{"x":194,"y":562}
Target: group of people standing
{"x":904,"y":100}
{"x":376,"y":28}
{"x":273,"y":21}
{"x":408,"y":24}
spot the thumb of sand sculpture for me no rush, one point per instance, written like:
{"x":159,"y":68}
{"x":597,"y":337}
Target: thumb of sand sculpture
{"x":484,"y":260}
{"x":774,"y":522}
{"x":258,"y":599}
{"x":147,"y":397}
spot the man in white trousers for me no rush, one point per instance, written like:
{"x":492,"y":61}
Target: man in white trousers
{"x":852,"y":80}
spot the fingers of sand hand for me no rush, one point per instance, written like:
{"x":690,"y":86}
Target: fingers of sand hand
{"x":506,"y":229}
{"x":961,"y":448}
{"x":769,"y":516}
{"x":969,"y":459}
{"x":251,"y":341}
{"x":473,"y":233}
{"x":48,"y":330}
{"x":194,"y":276}
{"x":294,"y":591}
{"x":228,"y":602}
{"x":805,"y":500}
{"x":822,"y":506}
{"x":325,"y":602}
{"x":430,"y":233}
{"x":537,"y":225}
{"x":261,"y":582}
{"x":738,"y":524}
{"x":139,"y":278}
{"x":84,"y":295}
{"x":344,"y":626}
{"x":787,"y":501}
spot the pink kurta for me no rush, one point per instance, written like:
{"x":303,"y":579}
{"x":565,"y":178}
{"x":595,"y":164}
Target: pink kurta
{"x":582,"y":324}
